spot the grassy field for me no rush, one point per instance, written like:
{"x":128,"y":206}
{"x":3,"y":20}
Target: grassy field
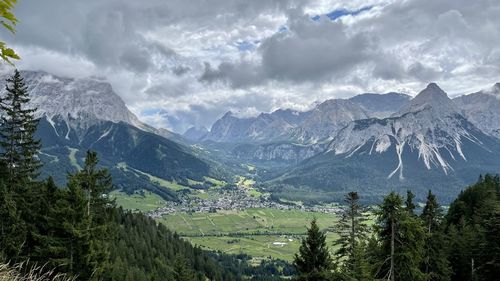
{"x":147,"y":201}
{"x":279,"y":231}
{"x":167,"y":184}
{"x":261,"y":246}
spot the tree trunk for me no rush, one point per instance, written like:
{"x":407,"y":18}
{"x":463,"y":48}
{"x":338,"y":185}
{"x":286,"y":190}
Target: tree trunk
{"x":391,"y":272}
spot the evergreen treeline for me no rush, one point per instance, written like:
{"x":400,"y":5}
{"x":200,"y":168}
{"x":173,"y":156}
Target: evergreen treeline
{"x":462,"y":245}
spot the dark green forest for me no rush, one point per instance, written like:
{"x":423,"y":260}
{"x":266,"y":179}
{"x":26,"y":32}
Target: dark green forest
{"x":78,"y":230}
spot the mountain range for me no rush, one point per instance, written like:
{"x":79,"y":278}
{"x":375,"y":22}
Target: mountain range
{"x":313,"y":126}
{"x":427,"y":144}
{"x":370,"y":142}
{"x":377,"y":142}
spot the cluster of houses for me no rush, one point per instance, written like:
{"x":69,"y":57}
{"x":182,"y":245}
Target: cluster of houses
{"x":236,"y":199}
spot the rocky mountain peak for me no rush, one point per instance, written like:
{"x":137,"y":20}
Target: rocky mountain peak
{"x":228,"y":114}
{"x":495,"y":90}
{"x":432,"y":97}
{"x":80,"y":103}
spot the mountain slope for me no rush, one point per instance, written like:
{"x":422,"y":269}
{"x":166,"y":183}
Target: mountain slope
{"x":195,"y":133}
{"x":381,"y":105}
{"x":327,"y":119}
{"x":428,"y":143}
{"x":482,"y":109}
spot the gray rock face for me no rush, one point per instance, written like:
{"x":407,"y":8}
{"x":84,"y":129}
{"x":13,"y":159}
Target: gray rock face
{"x":327,"y":119}
{"x":427,"y":144}
{"x":308,"y":127}
{"x":300,"y":134}
{"x":482,"y":109}
{"x":430,"y":125}
{"x":80,"y":103}
{"x":281,"y":152}
{"x":195,"y":133}
{"x":381,"y":105}
{"x":229,"y":128}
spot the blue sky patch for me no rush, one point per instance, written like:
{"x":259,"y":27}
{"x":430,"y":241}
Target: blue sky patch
{"x":282,"y":28}
{"x":245,"y":46}
{"x":151,"y":111}
{"x":334,"y":15}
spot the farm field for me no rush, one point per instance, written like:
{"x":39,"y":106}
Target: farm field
{"x":258,"y":246}
{"x":249,"y":221}
{"x":140,"y":201}
{"x":261,"y":233}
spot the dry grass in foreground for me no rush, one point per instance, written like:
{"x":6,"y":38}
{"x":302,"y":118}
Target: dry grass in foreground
{"x":34,"y":273}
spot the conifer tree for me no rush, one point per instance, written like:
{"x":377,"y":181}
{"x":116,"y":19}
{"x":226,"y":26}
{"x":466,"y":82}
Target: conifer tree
{"x":19,"y":148}
{"x":12,"y":228}
{"x":489,"y":267}
{"x":313,"y":262}
{"x":401,"y":235}
{"x":75,"y":231}
{"x":182,"y":272}
{"x":409,"y":205}
{"x":435,"y":258}
{"x":94,"y":183}
{"x":20,"y":163}
{"x":352,"y":230}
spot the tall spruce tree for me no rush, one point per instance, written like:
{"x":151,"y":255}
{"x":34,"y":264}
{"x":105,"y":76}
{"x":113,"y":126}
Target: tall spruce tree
{"x":75,"y":231}
{"x":352,"y":230}
{"x":20,"y":163}
{"x":435,"y":260}
{"x":313,"y":262}
{"x":95,"y":183}
{"x":402,"y":237}
{"x":19,"y":148}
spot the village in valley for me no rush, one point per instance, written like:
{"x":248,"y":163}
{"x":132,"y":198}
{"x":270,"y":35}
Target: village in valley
{"x":237,"y":198}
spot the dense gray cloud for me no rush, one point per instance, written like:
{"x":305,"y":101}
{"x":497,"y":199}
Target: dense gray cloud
{"x":180,"y":63}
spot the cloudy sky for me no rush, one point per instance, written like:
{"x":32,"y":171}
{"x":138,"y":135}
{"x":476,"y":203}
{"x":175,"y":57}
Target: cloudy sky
{"x":178,"y":63}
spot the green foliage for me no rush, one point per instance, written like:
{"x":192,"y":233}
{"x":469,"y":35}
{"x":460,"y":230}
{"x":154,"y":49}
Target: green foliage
{"x":435,"y":262}
{"x":401,"y":241}
{"x":473,"y":231}
{"x":19,"y":147}
{"x":409,"y":205}
{"x":8,"y":21}
{"x":146,"y":250}
{"x":12,"y":230}
{"x":313,"y":262}
{"x":182,"y":272}
{"x":352,"y":230}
